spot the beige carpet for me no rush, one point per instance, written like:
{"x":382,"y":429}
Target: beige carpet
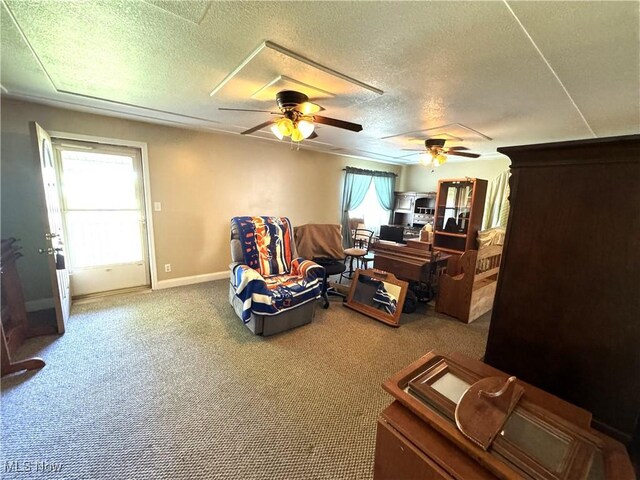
{"x":170,"y":384}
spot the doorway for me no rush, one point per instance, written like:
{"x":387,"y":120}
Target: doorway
{"x":104,"y":217}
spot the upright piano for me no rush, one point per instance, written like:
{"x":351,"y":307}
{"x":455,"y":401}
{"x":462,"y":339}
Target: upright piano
{"x":413,"y":261}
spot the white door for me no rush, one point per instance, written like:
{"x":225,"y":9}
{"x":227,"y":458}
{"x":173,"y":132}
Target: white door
{"x":104,"y":216}
{"x":53,"y":241}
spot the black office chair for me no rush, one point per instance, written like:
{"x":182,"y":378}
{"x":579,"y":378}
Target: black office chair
{"x":331,"y":266}
{"x":361,"y":243}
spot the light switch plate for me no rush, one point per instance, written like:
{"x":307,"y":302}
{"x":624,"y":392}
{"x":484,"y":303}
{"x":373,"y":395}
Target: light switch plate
{"x":157,"y":206}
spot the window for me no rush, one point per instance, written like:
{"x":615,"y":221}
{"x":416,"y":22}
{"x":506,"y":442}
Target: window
{"x":374,"y":215}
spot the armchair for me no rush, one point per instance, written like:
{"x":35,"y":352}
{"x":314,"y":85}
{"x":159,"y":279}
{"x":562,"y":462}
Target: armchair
{"x":270,"y":288}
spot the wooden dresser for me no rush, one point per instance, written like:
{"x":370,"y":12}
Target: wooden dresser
{"x":566,"y":315}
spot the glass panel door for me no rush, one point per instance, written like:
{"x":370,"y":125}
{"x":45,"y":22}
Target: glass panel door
{"x":104,"y":217}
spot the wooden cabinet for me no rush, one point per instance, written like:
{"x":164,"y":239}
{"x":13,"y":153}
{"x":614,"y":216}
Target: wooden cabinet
{"x":458,"y":217}
{"x":414,"y":209}
{"x":566,"y":315}
{"x":404,"y":202}
{"x":424,"y":209}
{"x":397,"y":456}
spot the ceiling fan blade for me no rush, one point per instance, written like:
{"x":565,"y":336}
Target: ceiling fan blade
{"x":244,"y":110}
{"x":457,"y":148}
{"x":354,"y":127}
{"x":256,"y":128}
{"x":312,"y":136}
{"x":464,"y":154}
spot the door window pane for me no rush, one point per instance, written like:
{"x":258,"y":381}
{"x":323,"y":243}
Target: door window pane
{"x":104,"y":238}
{"x":97,"y":181}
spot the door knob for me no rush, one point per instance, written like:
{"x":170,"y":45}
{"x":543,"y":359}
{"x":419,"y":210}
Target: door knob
{"x":48,"y":251}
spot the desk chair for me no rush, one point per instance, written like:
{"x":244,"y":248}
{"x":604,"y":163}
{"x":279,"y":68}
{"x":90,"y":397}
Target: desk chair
{"x":331,"y":267}
{"x":361,"y":243}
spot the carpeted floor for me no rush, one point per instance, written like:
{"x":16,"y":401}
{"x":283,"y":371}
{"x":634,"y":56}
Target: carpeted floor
{"x":170,"y":384}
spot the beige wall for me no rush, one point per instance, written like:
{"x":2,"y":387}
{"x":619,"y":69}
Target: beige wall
{"x":202,"y":179}
{"x":416,"y":178}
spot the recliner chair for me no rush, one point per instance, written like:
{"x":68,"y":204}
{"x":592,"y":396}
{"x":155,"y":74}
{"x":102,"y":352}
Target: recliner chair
{"x":271,"y":289}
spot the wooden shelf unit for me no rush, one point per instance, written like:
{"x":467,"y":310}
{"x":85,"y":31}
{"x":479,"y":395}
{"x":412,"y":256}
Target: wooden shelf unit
{"x":459,"y":210}
{"x":414,"y":209}
{"x":449,"y":234}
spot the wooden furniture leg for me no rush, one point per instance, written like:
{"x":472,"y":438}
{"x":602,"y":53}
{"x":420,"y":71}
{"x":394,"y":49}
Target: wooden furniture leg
{"x":13,"y":314}
{"x":11,"y":367}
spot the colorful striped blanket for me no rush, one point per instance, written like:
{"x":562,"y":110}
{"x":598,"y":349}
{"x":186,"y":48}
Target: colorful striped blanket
{"x":385,"y":299}
{"x":270,"y":280}
{"x":275,"y":294}
{"x":266,"y":243}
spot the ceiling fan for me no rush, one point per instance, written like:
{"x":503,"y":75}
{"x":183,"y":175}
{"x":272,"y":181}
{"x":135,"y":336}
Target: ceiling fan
{"x":297,"y":117}
{"x":436,"y":153}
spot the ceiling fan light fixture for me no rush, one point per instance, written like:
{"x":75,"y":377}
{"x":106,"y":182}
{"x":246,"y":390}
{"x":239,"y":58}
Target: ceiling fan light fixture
{"x":426,"y":159}
{"x":276,"y":131}
{"x":285,"y":126}
{"x":440,"y":158}
{"x":297,"y":135}
{"x":305,"y":127}
{"x":297,"y":118}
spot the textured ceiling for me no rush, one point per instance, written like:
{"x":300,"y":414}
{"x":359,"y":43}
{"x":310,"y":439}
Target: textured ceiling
{"x":489,"y":73}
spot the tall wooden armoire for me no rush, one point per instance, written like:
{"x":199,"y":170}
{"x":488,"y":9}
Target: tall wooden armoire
{"x":566,"y":315}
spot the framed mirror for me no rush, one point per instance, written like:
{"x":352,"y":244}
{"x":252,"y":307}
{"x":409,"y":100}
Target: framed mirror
{"x":377,"y":294}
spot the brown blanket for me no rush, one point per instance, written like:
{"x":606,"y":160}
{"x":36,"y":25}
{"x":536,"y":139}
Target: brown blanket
{"x":319,"y":241}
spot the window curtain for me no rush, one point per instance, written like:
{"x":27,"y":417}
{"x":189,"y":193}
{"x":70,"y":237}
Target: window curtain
{"x":356,"y":184}
{"x":496,"y":207}
{"x":385,"y":186}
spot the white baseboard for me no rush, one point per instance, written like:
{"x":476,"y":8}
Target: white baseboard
{"x":182,"y":281}
{"x":45,"y":303}
{"x":39,"y":304}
